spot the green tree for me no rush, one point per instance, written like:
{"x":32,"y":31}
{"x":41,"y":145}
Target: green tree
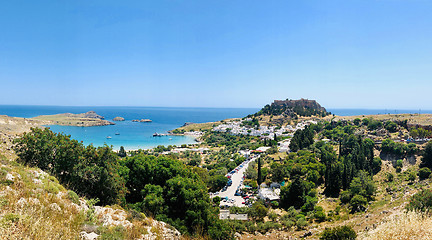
{"x":426,"y":160}
{"x":259,"y":177}
{"x":153,"y":198}
{"x":277,"y":172}
{"x":122,"y":152}
{"x":424,"y":173}
{"x":357,"y":121}
{"x":363,"y":185}
{"x":258,"y":211}
{"x":89,"y":171}
{"x":358,"y":203}
{"x":293,"y":194}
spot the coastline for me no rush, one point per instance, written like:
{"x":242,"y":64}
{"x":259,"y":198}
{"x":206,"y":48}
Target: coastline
{"x":11,"y":127}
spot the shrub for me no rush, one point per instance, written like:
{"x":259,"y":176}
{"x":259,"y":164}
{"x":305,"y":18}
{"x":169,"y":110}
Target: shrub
{"x":320,"y":215}
{"x":339,"y":233}
{"x":424,"y":173}
{"x":421,"y":201}
{"x":345,"y":196}
{"x":358,"y":203}
{"x":301,"y":223}
{"x":399,"y":164}
{"x":376,"y":165}
{"x":411,"y":176}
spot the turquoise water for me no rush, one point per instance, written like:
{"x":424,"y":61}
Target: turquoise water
{"x":132,"y":135}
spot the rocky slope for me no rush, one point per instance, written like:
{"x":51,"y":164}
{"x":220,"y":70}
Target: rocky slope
{"x":33,"y":205}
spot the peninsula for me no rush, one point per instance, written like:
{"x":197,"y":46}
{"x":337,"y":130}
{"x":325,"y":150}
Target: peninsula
{"x":88,"y":119}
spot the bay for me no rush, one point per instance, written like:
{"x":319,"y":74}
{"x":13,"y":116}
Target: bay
{"x":132,"y":135}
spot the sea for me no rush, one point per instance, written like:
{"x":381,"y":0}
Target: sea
{"x":137,"y":135}
{"x":132,"y":135}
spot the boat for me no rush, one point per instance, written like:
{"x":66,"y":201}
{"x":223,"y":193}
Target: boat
{"x":109,"y":137}
{"x":170,"y":139}
{"x":158,"y":134}
{"x":117,"y":133}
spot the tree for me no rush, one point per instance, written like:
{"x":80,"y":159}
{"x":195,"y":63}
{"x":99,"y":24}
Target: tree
{"x":357,"y":121}
{"x":424,"y":173}
{"x":258,"y":211}
{"x":153,"y":198}
{"x":277,"y":171}
{"x":122,"y":152}
{"x":259,"y":178}
{"x":426,"y":160}
{"x":293,"y":194}
{"x":390,"y":126}
{"x":217,"y":182}
{"x":302,"y":139}
{"x":358,"y":203}
{"x":89,"y":171}
{"x":363,"y":185}
{"x":376,"y":165}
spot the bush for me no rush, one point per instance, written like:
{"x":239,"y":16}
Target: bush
{"x":345,"y":196}
{"x":421,"y":201}
{"x":411,"y":176}
{"x":220,"y":230}
{"x":358,"y":203}
{"x":424,"y":173}
{"x":301,"y":223}
{"x":339,"y":233}
{"x":399,"y":164}
{"x":320,"y":215}
{"x":376,"y":165}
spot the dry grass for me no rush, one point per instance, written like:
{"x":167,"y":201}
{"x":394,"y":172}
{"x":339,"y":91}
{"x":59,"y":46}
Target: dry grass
{"x":31,"y":212}
{"x":422,"y":119}
{"x":409,"y":225}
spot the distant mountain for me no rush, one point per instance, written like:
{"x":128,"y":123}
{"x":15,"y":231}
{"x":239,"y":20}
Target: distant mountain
{"x":292,"y":108}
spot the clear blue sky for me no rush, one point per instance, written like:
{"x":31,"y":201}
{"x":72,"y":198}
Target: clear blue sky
{"x":345,"y":54}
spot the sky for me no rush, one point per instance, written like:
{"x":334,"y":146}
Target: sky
{"x":344,"y":54}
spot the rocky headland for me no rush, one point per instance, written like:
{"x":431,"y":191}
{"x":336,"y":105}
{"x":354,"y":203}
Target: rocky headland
{"x":88,"y":119}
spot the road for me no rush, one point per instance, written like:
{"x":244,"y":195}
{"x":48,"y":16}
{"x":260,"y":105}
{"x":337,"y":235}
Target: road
{"x":236,"y":181}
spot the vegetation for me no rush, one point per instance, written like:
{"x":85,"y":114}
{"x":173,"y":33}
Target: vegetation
{"x":89,"y":171}
{"x":163,"y":187}
{"x":339,"y":233}
{"x":294,"y":108}
{"x":302,"y":139}
{"x":421,"y":201}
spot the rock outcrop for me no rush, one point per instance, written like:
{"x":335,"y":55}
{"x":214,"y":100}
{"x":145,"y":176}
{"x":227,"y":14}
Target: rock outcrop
{"x":118,"y":119}
{"x":142,"y":120}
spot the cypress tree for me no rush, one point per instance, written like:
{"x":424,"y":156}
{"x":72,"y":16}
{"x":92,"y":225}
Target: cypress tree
{"x":259,"y":172}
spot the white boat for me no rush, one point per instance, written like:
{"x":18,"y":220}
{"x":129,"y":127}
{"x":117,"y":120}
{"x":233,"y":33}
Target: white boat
{"x":109,"y":137}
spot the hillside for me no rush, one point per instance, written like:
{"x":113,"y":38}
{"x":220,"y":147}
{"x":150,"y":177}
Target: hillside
{"x":33,"y":205}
